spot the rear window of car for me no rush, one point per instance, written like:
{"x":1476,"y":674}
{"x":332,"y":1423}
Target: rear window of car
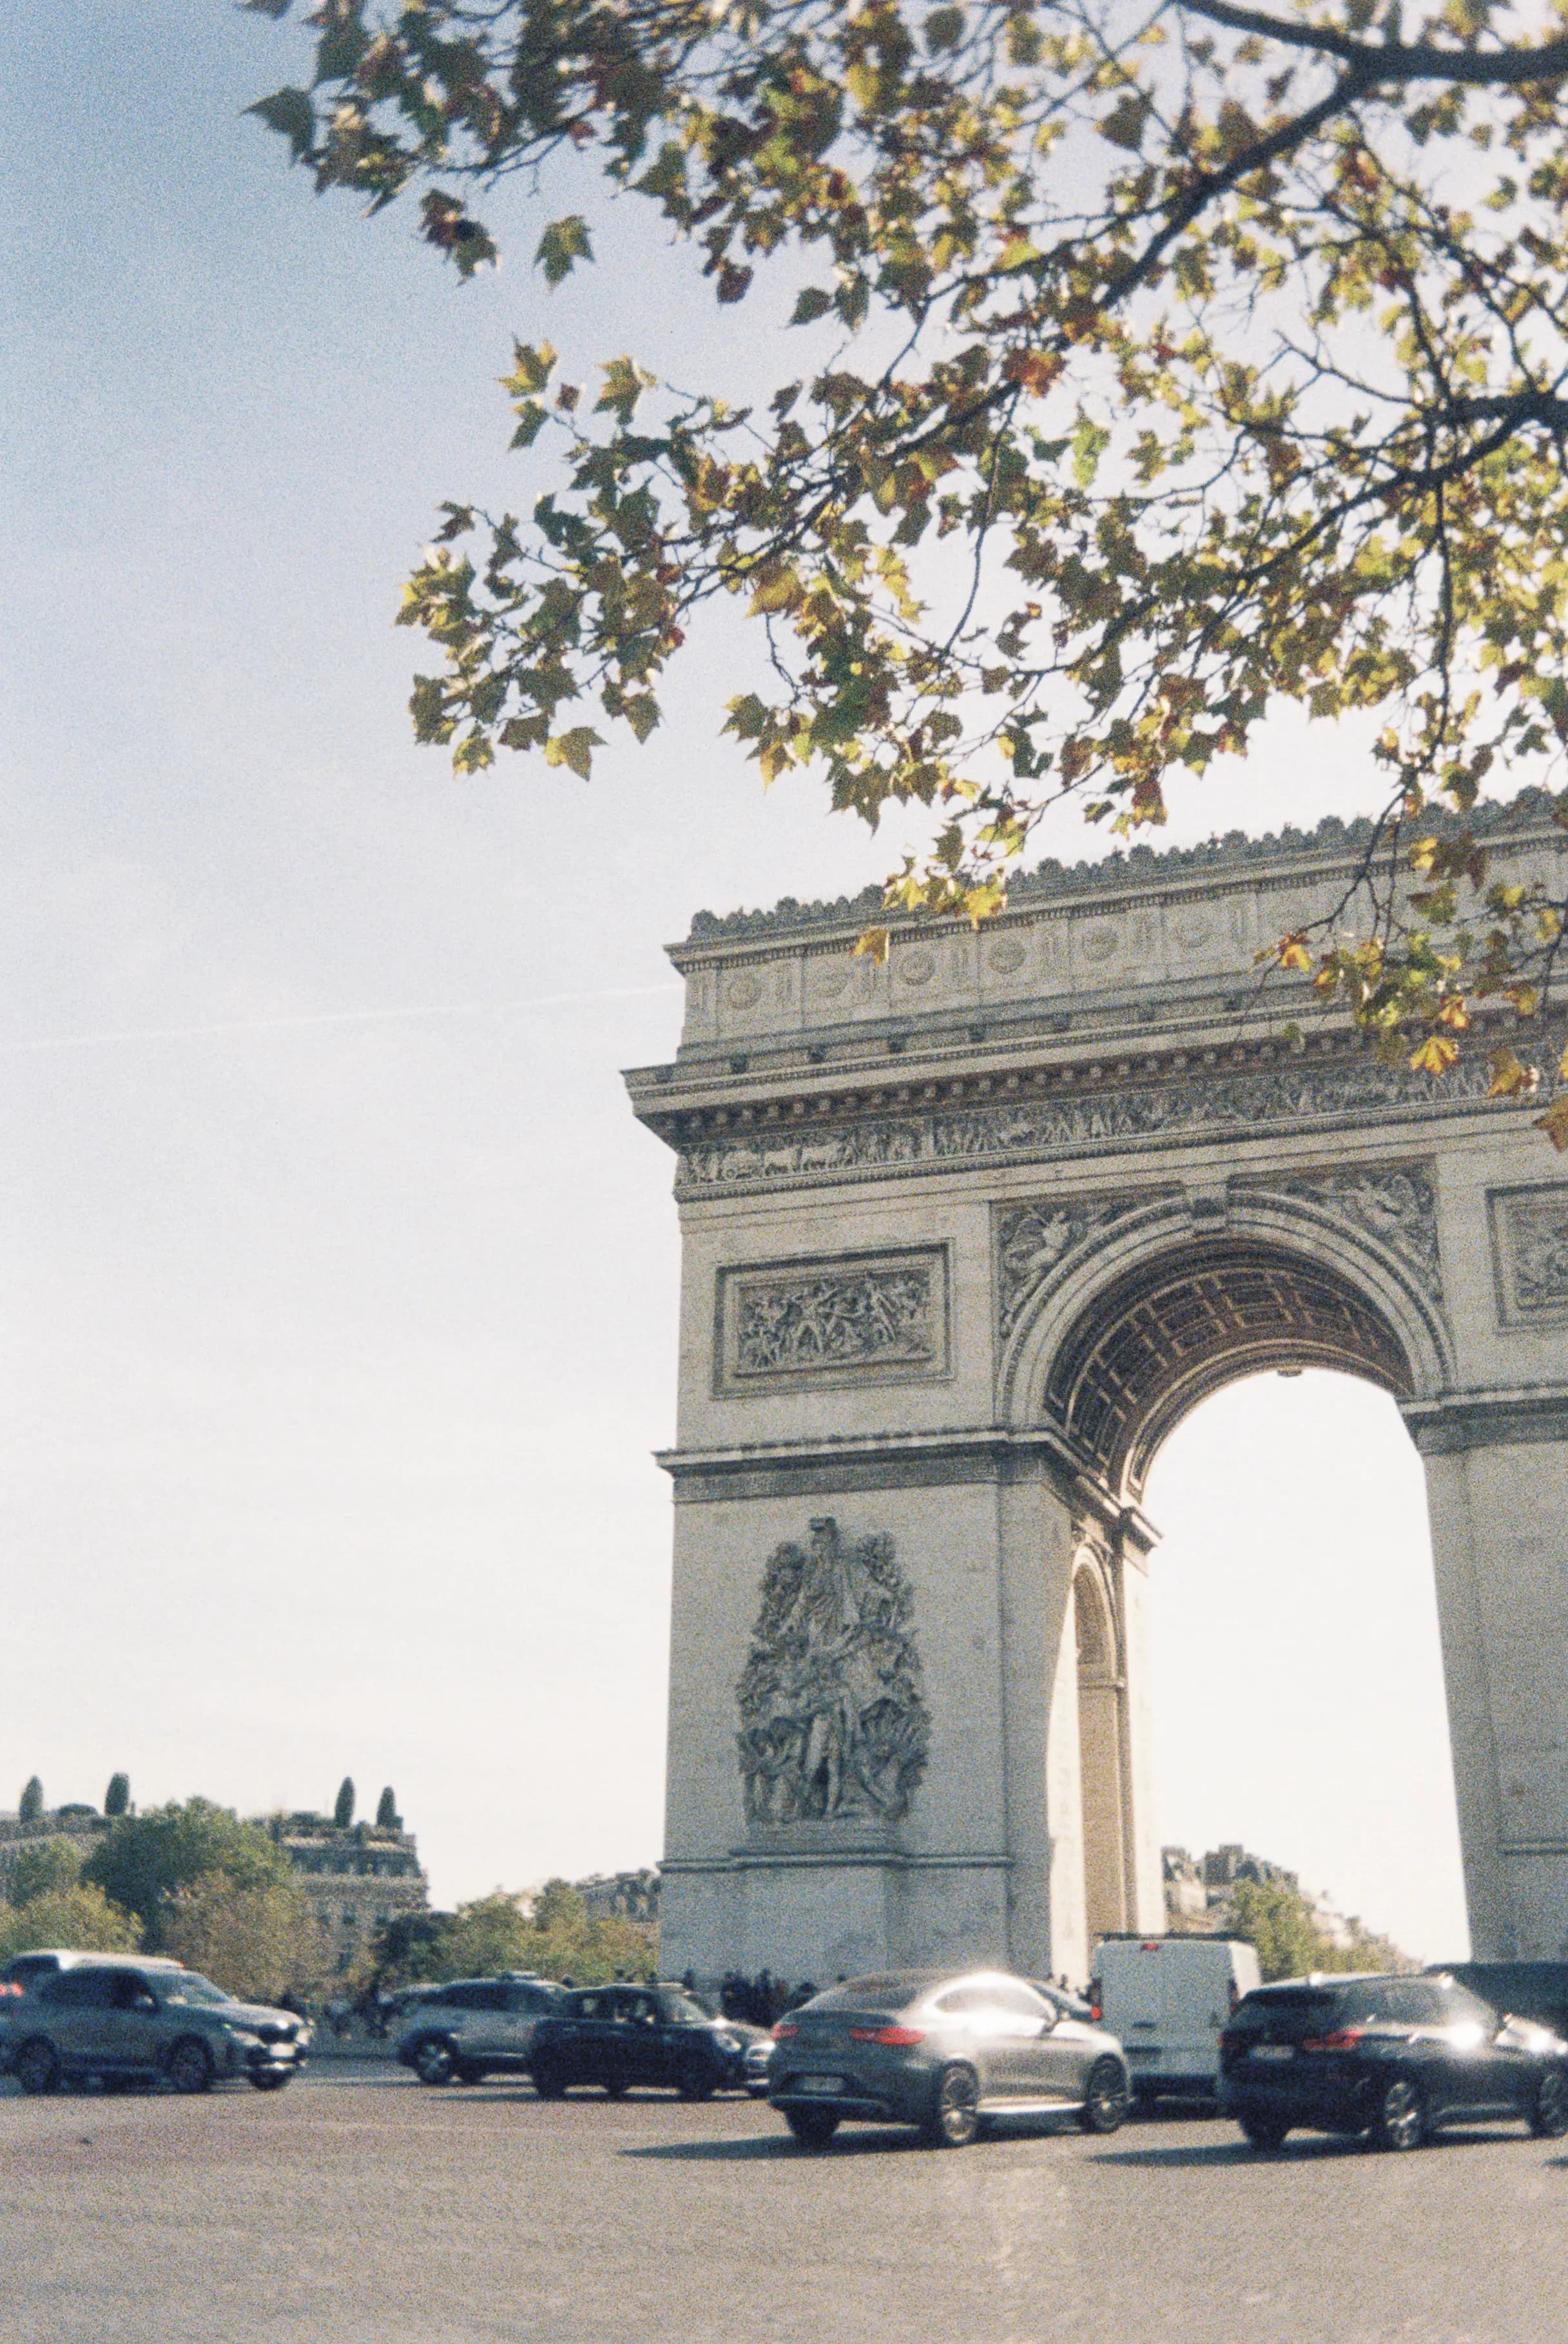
{"x":1273,"y":2006}
{"x":873,"y":1994}
{"x":27,"y":1968}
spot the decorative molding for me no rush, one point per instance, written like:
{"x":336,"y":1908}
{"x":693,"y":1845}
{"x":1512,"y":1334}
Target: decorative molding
{"x":1034,"y":1240}
{"x":852,"y":1318}
{"x":1448,"y":1426}
{"x":833,"y":1718}
{"x":1333,"y":841}
{"x":1110,"y":1118}
{"x":1396,"y":1209}
{"x":1529,"y":1253}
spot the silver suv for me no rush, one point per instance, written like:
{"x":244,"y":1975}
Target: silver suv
{"x":455,"y":2034}
{"x":121,"y":2022}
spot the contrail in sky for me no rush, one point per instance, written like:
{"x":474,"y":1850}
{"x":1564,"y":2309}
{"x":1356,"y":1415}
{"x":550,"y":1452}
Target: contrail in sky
{"x":327,"y":1018}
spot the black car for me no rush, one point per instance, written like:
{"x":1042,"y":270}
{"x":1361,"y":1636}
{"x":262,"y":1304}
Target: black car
{"x":618,"y":2036}
{"x":1392,"y":2058}
{"x":1537,"y":1990}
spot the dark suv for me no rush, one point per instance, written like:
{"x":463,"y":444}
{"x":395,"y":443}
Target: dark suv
{"x":1389,"y":2057}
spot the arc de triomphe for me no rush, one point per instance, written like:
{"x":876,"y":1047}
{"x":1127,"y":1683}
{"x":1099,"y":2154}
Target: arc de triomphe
{"x":964,"y":1235}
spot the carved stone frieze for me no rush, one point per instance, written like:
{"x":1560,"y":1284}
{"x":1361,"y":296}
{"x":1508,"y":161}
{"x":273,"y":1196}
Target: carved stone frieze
{"x":1130,"y":1114}
{"x":1034,"y":1240}
{"x":1396,"y":1208}
{"x":847,"y":1317}
{"x":832,"y":1717}
{"x":1530,"y":1252}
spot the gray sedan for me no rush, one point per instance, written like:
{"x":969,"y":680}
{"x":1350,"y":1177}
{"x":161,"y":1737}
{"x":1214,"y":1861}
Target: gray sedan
{"x":944,"y":2053}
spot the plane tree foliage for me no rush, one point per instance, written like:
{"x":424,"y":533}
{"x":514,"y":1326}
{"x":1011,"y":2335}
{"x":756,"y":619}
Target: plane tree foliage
{"x":1161,"y":363}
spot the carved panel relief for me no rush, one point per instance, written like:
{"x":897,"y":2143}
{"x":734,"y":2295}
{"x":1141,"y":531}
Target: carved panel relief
{"x":1031,"y":1240}
{"x":833,"y":1718}
{"x":1398,"y":1210}
{"x":1146,"y":1114}
{"x":856,"y":1317}
{"x":1529,"y":1253}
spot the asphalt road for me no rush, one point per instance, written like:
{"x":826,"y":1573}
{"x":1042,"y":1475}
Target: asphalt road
{"x":358,"y":2209}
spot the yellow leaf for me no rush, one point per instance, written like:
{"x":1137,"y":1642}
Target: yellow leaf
{"x":1293,"y":953}
{"x":1435,"y":1056}
{"x":1554,"y":1121}
{"x":1511,"y":1078}
{"x":872,"y":945}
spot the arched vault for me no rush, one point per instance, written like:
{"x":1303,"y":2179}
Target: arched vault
{"x":1118,"y":1349}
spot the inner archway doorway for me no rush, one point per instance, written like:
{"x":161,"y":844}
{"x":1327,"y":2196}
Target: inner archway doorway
{"x":1296,"y":1659}
{"x":967,"y":1235}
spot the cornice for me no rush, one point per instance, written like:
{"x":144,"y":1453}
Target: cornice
{"x":1234,"y":860}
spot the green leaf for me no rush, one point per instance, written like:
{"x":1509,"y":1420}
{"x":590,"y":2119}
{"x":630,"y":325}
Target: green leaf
{"x":574,"y":748}
{"x":812,"y":303}
{"x":564,"y":243}
{"x":290,"y":113}
{"x":534,"y":367}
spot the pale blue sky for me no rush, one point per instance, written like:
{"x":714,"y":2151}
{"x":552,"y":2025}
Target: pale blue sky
{"x":338,"y":1283}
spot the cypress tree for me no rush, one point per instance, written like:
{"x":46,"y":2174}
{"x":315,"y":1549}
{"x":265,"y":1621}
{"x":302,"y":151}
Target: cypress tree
{"x":386,"y":1810}
{"x":343,"y":1812}
{"x":118,"y":1797}
{"x":32,"y":1803}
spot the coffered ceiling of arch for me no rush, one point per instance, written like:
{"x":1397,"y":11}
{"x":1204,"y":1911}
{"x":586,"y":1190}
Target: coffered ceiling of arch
{"x":1175,"y":1330}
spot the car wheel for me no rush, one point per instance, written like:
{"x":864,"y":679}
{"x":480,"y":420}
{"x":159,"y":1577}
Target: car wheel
{"x":1263,"y":2132}
{"x":270,"y":2081}
{"x":615,"y":2085}
{"x":1399,"y":2120}
{"x":813,"y":2127}
{"x":548,"y":2080}
{"x":954,"y":2116}
{"x":696,"y":2083}
{"x":37,"y":2070}
{"x":1549,"y":2116}
{"x":190,"y":2067}
{"x":1105,"y":2098}
{"x":434,"y":2060}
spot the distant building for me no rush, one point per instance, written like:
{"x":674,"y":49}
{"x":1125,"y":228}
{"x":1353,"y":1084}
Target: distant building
{"x":357,"y":1876}
{"x":1198,"y":1890}
{"x":621,"y":1895}
{"x":79,"y":1828}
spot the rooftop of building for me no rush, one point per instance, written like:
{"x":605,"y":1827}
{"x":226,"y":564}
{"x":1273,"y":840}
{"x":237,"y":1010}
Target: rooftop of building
{"x":1332,"y":839}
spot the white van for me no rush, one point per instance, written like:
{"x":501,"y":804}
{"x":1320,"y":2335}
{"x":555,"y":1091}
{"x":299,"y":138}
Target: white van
{"x":1167,"y":1998}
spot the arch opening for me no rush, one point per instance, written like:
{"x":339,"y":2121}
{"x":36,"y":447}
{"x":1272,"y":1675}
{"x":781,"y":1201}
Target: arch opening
{"x":1174,"y":1328}
{"x":1296,"y":1687}
{"x":1102,"y":1742}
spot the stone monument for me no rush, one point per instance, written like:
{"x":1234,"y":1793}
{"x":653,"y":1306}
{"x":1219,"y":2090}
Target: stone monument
{"x":964,"y":1235}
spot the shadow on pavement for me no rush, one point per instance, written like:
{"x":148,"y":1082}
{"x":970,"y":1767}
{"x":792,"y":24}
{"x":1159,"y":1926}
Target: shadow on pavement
{"x":869,"y":2143}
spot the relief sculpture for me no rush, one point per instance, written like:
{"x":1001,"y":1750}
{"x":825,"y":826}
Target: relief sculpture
{"x":1396,"y":1208}
{"x":1147,"y":1112}
{"x":839,"y":1319}
{"x":832,"y":1717}
{"x":1031,"y":1240}
{"x":1532,"y":1228}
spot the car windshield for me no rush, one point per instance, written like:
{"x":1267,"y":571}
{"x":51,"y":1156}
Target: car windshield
{"x":683,"y":2010}
{"x":190,"y":1986}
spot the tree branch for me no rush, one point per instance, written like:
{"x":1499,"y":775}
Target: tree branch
{"x":1395,"y":61}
